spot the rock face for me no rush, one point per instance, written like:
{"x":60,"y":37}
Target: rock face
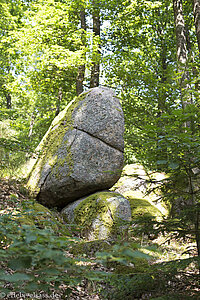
{"x":101,"y":215}
{"x":82,"y":152}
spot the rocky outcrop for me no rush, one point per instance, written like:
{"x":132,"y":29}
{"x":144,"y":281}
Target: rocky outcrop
{"x":82,"y":152}
{"x":138,"y":185}
{"x":102,"y":215}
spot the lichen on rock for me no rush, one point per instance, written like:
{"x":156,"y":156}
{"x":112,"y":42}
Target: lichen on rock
{"x":82,"y":152}
{"x":45,"y":157}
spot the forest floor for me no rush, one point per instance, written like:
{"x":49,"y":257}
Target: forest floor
{"x":12,"y":193}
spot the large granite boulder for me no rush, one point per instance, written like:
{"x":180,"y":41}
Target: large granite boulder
{"x":100,"y":216}
{"x":82,"y":152}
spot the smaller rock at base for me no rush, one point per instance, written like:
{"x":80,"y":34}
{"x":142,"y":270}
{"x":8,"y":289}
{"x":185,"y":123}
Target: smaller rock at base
{"x":100,"y":216}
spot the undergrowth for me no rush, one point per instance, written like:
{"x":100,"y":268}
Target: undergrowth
{"x":45,"y":257}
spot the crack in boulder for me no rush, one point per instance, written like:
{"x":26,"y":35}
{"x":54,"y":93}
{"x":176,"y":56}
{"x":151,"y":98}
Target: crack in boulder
{"x":93,"y":136}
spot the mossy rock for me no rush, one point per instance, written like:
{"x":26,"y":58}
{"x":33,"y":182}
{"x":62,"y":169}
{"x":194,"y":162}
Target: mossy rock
{"x":134,"y":183}
{"x":100,"y":216}
{"x":35,"y":214}
{"x":82,"y":152}
{"x":142,"y":207}
{"x":144,"y":215}
{"x":46,"y":150}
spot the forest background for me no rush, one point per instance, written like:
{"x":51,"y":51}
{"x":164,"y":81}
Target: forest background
{"x":147,"y":51}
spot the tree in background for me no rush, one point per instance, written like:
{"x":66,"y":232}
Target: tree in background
{"x":49,"y":43}
{"x":196,"y":10}
{"x":95,"y":69}
{"x":160,"y":100}
{"x":81,"y":69}
{"x":148,"y":51}
{"x":7,"y":23}
{"x":52,"y":56}
{"x":46,"y":65}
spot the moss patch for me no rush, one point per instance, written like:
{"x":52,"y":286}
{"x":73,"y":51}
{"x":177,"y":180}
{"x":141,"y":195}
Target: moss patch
{"x":142,"y":207}
{"x":35,"y":214}
{"x":134,"y":183}
{"x":95,"y":213}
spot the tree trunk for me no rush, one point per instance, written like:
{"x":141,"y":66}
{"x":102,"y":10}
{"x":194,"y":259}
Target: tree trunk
{"x":81,"y":69}
{"x":182,"y":43}
{"x":182,"y":56}
{"x":196,"y":10}
{"x":163,"y":79}
{"x":95,"y":70}
{"x":195,"y":75}
{"x":180,"y":32}
{"x":8,"y":101}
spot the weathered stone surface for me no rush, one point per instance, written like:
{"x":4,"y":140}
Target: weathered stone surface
{"x":101,"y":215}
{"x":101,"y":116}
{"x":82,"y":152}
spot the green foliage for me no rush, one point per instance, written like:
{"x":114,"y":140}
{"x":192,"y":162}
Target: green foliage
{"x":41,"y":49}
{"x":134,"y":277}
{"x":37,"y":259}
{"x":129,"y":263}
{"x":124,"y":254}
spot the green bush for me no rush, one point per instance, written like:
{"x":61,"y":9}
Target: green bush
{"x":36,"y":259}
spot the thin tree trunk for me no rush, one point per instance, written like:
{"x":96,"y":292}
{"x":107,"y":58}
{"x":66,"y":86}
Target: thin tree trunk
{"x":31,"y":125}
{"x":80,"y":79}
{"x":162,"y":152}
{"x":8,"y":101}
{"x":197,"y":229}
{"x":196,"y":217}
{"x":95,"y":70}
{"x":194,"y":71}
{"x":60,"y":95}
{"x":196,"y":10}
{"x":161,"y":25}
{"x":81,"y":69}
{"x":162,"y":96}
